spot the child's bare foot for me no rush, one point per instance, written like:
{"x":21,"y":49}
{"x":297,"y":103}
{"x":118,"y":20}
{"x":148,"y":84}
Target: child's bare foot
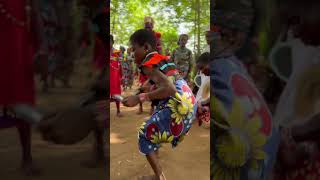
{"x":162,"y":177}
{"x":29,"y":169}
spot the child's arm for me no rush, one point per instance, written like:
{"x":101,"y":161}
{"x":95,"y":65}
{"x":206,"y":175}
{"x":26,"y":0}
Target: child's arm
{"x":164,"y":87}
{"x":145,"y":86}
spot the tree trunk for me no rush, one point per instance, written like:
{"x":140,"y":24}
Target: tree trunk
{"x":198,"y":26}
{"x":195,"y":26}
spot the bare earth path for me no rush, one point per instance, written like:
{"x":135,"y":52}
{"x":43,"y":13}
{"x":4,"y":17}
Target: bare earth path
{"x":189,"y":161}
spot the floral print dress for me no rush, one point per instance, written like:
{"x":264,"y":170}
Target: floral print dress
{"x":244,"y":139}
{"x":173,"y":116}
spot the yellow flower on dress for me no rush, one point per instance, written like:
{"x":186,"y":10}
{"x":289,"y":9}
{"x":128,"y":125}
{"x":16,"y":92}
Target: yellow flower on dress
{"x":181,"y":107}
{"x":217,"y":110}
{"x":141,"y":128}
{"x":240,"y":144}
{"x":164,"y":138}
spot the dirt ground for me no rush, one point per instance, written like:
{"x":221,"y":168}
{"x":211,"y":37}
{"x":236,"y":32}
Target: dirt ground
{"x":56,"y":161}
{"x":190,"y":160}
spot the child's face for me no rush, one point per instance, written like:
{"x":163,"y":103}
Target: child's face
{"x":140,"y":52}
{"x":183,"y":41}
{"x":204,"y":68}
{"x":148,"y":26}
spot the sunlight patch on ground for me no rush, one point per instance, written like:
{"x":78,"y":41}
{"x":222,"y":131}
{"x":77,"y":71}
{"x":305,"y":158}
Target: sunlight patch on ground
{"x":114,"y":139}
{"x":205,"y":135}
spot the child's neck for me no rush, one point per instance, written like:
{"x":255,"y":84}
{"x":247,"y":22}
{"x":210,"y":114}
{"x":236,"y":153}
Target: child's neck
{"x":149,"y":54}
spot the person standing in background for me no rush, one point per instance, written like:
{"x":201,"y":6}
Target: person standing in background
{"x":19,"y":39}
{"x":182,"y":57}
{"x":125,"y":70}
{"x":149,"y":25}
{"x":115,"y":75}
{"x":130,"y":61}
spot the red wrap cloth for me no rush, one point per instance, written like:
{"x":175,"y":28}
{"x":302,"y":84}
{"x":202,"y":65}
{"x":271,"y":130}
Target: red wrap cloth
{"x":16,"y":62}
{"x":115,"y":74}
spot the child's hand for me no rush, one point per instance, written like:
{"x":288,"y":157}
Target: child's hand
{"x":131,"y":101}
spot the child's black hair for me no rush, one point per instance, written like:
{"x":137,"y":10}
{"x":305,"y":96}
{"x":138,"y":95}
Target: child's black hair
{"x":143,"y":36}
{"x":204,"y":58}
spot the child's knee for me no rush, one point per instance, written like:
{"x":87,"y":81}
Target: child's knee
{"x":146,"y":147}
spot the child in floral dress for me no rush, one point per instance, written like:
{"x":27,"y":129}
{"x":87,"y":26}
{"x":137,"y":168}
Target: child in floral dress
{"x":176,"y":108}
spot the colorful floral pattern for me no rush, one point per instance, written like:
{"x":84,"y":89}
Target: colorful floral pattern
{"x":176,"y":128}
{"x":171,"y":121}
{"x":181,"y":107}
{"x":244,"y":138}
{"x":241,"y":145}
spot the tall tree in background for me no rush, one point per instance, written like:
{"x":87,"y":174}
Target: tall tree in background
{"x":127,"y":16}
{"x":195,"y":14}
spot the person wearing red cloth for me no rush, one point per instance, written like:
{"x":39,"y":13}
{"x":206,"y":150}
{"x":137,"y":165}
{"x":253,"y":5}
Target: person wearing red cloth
{"x":17,"y":93}
{"x":115,"y":75}
{"x":148,"y":25}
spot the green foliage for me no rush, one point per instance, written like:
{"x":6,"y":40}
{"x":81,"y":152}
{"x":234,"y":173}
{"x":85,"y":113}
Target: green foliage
{"x":128,"y":16}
